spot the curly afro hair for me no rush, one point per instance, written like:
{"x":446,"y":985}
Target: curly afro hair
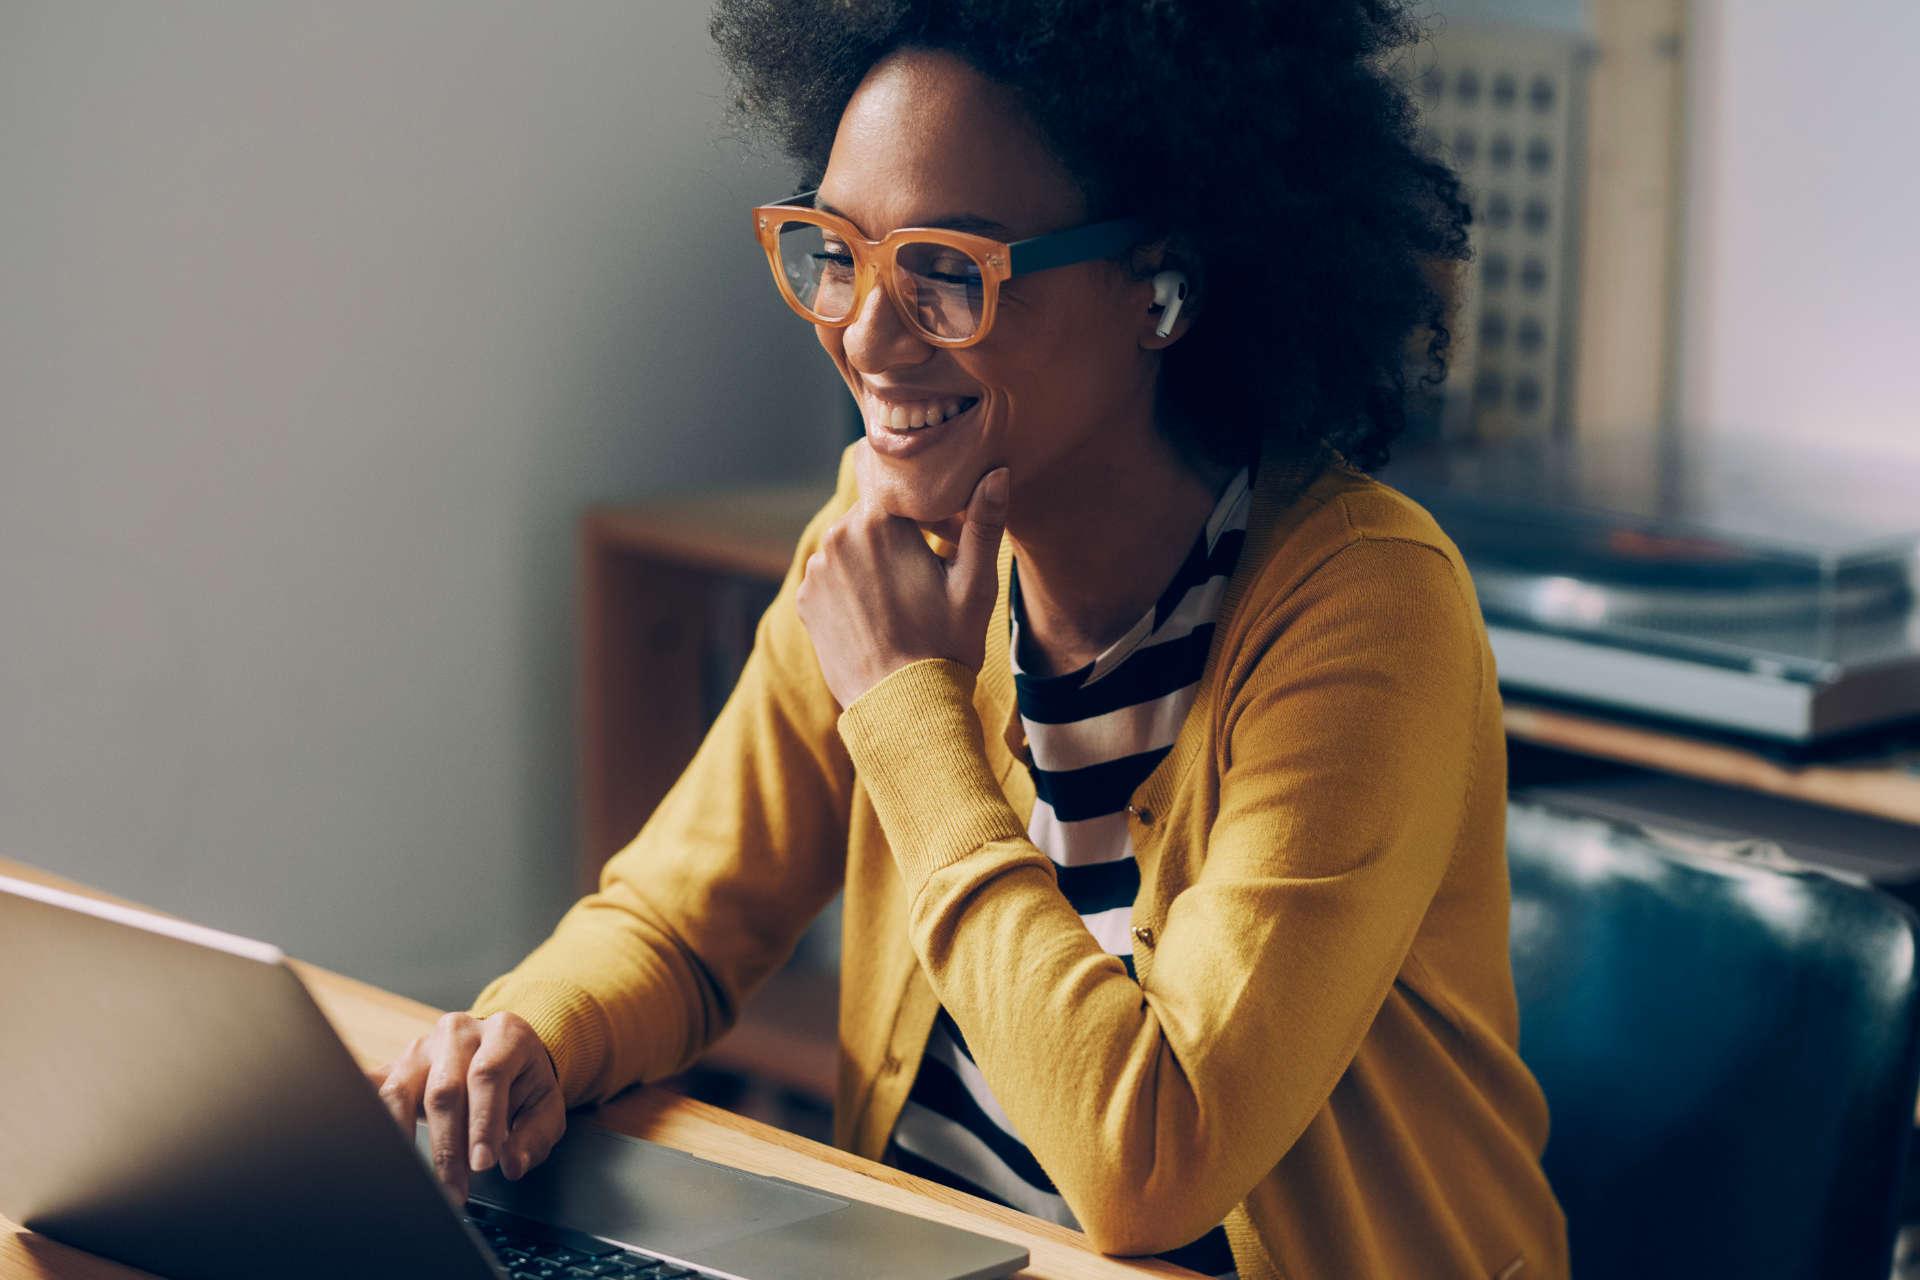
{"x":1270,"y":136}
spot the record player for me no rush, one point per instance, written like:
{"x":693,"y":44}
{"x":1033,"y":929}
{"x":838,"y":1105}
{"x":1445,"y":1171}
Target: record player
{"x":1735,"y":587}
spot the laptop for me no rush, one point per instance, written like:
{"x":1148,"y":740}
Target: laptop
{"x":171,"y":1097}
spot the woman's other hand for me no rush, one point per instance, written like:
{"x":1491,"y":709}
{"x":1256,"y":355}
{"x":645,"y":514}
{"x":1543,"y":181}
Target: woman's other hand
{"x":489,"y":1094}
{"x":876,"y":598}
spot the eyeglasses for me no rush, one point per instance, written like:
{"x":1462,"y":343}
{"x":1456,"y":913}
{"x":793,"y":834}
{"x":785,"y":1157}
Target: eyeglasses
{"x":945,"y":284}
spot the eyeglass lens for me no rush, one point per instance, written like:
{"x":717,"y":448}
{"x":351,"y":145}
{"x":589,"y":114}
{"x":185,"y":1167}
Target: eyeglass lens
{"x":818,"y":268}
{"x":943,"y":288}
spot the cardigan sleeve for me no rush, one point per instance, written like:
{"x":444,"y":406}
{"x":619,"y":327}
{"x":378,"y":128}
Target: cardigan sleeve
{"x":1347,"y":752}
{"x":713,"y":893}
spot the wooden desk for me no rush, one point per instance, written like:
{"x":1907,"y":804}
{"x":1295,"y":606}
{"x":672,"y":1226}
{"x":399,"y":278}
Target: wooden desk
{"x":376,"y":1025}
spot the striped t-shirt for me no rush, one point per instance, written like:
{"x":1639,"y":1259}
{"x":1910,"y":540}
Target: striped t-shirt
{"x":1094,"y":735}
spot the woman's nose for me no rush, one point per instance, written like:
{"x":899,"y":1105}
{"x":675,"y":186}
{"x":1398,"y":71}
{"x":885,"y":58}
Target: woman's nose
{"x":878,"y":338}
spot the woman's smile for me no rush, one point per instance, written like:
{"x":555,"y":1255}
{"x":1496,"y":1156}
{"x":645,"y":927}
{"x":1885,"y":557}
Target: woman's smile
{"x":904,"y":422}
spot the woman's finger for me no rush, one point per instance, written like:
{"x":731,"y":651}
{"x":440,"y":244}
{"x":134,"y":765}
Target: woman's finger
{"x":976,"y":569}
{"x":451,"y":1047}
{"x":539,"y":1114}
{"x":538,"y":1124}
{"x":498,"y":1064}
{"x":400,"y":1091}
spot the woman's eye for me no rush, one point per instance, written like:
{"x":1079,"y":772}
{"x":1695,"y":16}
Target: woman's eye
{"x":833,"y":266}
{"x":839,"y":257}
{"x":959,"y":272}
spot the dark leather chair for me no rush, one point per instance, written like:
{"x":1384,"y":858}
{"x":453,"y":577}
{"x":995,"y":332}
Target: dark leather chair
{"x":1728,"y":1050}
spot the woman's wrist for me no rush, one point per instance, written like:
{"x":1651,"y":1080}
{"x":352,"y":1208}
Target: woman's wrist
{"x":916,"y":745}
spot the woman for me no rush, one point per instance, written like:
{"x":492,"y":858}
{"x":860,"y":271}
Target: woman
{"x":1169,"y":810}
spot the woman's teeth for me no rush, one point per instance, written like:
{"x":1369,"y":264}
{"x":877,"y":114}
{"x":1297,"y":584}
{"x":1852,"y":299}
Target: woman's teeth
{"x":912,"y":417}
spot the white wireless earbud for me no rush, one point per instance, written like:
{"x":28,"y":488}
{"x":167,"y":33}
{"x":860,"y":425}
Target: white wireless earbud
{"x":1169,"y":291}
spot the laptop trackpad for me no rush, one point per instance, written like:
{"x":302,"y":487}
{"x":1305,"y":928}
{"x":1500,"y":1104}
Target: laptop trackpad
{"x":649,"y":1196}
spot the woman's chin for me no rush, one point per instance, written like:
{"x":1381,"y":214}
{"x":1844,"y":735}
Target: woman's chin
{"x":916,"y":498}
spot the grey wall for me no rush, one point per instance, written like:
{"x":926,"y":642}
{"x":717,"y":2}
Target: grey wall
{"x":1800,"y":262}
{"x":318,"y":326}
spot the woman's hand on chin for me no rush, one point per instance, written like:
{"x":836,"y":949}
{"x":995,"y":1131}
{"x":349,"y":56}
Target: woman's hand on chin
{"x":876,"y":598}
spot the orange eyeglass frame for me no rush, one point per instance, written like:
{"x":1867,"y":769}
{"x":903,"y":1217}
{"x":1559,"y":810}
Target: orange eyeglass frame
{"x":873,"y":260}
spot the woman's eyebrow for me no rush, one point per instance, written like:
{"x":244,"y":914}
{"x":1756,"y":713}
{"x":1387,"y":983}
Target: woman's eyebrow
{"x":951,"y":222}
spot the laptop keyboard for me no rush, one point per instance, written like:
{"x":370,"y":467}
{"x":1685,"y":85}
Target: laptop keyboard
{"x":532,"y":1251}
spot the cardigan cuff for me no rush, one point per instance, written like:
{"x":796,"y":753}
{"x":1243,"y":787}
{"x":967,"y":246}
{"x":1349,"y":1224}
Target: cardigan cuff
{"x":568,"y":1020}
{"x":916,"y":744}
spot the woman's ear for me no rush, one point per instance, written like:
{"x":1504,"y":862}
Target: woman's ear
{"x":1170,"y":296}
{"x":1169,"y":274}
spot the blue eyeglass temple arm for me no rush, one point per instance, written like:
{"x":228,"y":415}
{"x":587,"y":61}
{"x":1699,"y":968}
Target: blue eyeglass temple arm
{"x":1054,"y":248}
{"x":1080,"y":244}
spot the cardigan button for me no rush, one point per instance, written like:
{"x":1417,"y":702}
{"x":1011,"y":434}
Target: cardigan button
{"x":1143,"y":935}
{"x":1145,"y":815}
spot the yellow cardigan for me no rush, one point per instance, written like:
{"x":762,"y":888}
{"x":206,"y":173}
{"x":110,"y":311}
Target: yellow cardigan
{"x":1319,"y":1049}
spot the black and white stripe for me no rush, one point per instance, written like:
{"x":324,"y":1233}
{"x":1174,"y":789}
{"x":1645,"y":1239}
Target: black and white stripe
{"x":1094,"y":734}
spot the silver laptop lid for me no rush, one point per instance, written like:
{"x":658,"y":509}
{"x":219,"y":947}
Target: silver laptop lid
{"x":171,"y":1097}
